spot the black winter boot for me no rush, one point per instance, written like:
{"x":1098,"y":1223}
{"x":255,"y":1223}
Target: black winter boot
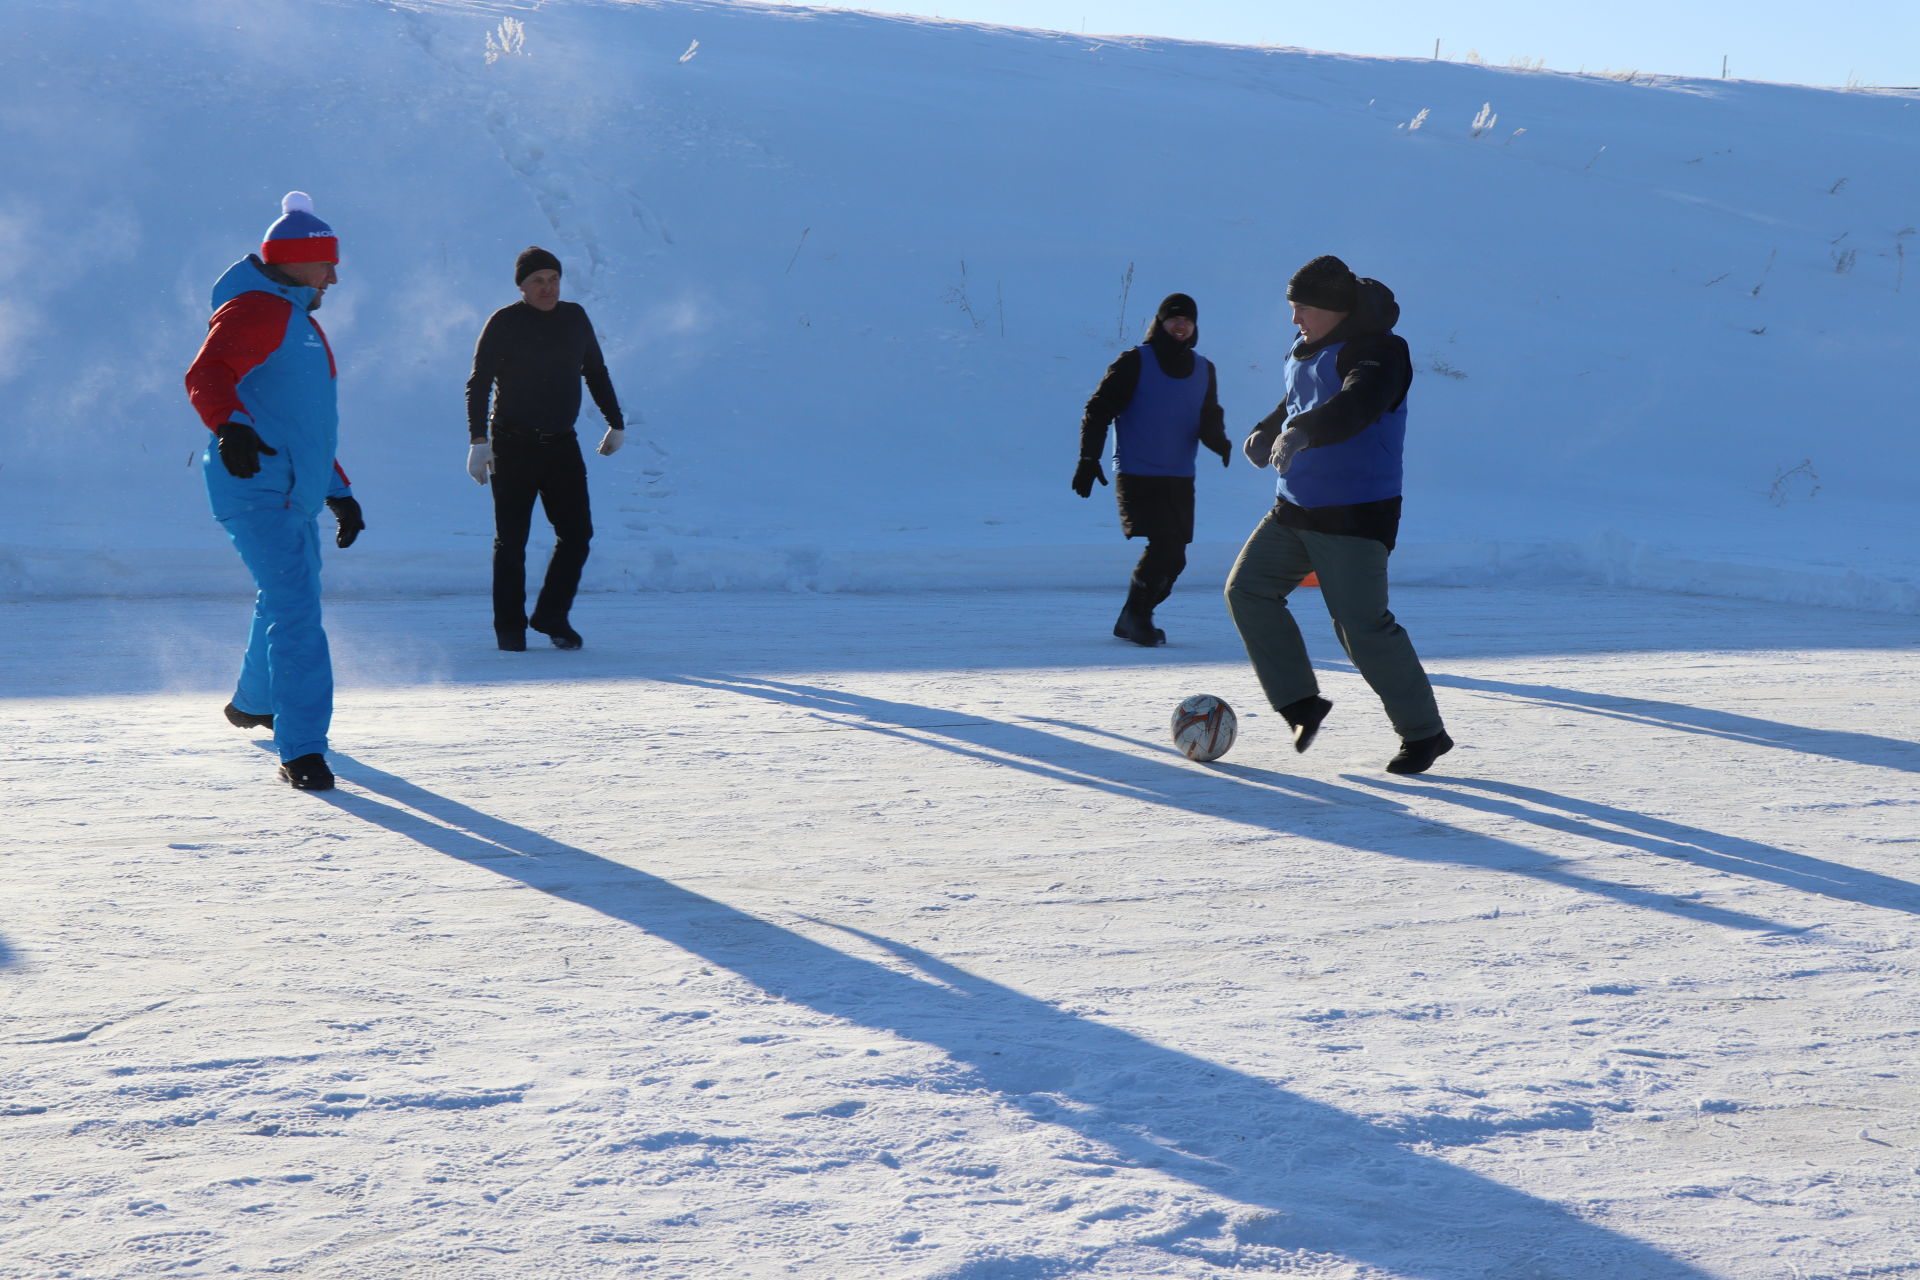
{"x":1418,"y":756}
{"x":1305,"y":715}
{"x":563,"y":636}
{"x":308,"y":772}
{"x":511,"y":641}
{"x":246,"y":719}
{"x":1139,"y":628}
{"x":1135,"y":622}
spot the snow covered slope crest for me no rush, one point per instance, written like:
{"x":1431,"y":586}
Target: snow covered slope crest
{"x":856,"y":275}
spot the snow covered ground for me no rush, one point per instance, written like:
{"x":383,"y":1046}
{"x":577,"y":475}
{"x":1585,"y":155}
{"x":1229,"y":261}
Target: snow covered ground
{"x":885,"y":937}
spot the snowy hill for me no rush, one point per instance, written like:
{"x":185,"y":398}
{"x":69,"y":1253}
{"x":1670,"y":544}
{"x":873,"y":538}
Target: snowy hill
{"x":856,"y":276}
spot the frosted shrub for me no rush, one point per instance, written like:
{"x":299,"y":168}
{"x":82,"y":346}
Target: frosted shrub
{"x":509,"y":37}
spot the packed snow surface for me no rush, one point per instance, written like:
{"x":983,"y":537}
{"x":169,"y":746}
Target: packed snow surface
{"x":887,"y":937}
{"x":856,"y":276}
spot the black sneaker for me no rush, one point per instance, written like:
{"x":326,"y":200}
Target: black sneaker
{"x":1139,"y":629}
{"x":1305,"y":716}
{"x":308,"y":772}
{"x":246,"y":719}
{"x":564,"y":637}
{"x":1418,"y":756}
{"x":511,"y":641}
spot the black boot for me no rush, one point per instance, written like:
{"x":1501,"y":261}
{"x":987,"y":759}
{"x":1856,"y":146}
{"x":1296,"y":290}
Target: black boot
{"x":1418,"y":756}
{"x":513,"y":641}
{"x":1136,"y":616}
{"x":1305,"y":715}
{"x":246,"y":719}
{"x":1139,"y":628}
{"x":562,"y":635}
{"x":308,"y":772}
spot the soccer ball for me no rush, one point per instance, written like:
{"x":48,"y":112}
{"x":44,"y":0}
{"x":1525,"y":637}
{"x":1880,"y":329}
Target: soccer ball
{"x":1203,"y":727}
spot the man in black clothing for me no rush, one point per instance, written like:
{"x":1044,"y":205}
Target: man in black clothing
{"x":1163,"y":400}
{"x":535,"y":352}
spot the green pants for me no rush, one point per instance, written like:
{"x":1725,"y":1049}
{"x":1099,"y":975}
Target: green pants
{"x":1353,"y":582}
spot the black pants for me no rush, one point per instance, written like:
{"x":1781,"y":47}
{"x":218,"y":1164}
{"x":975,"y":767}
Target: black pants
{"x":1159,"y":509}
{"x":1159,"y":568}
{"x":552,"y":471}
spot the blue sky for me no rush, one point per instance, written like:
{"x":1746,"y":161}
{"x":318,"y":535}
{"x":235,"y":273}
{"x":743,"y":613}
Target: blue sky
{"x":1872,"y":42}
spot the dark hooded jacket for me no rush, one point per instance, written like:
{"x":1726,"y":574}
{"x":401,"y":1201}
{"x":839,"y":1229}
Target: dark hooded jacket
{"x":1115,"y":392}
{"x":1375,"y":372}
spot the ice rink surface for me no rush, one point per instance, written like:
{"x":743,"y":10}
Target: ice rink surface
{"x":886,"y":937}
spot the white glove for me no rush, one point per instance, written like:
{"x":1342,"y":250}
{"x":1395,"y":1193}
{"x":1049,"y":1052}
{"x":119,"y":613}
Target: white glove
{"x":610,"y":443}
{"x":480,"y":461}
{"x":1291,"y":441}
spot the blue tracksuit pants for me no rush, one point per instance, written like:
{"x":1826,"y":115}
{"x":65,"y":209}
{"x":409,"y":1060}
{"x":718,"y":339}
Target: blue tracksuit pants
{"x":288,"y":671}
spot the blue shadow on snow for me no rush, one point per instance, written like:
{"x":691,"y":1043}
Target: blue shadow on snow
{"x":1328,"y":1181}
{"x":1836,"y":744}
{"x":1262,"y":798}
{"x":1731,"y":854}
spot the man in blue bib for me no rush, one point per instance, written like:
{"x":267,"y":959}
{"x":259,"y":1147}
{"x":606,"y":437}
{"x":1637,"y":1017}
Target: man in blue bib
{"x":1336,"y":442}
{"x":1163,"y":402}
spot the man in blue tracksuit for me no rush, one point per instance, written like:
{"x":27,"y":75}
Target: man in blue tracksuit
{"x":1163,"y":402}
{"x":263,"y":383}
{"x":1336,"y":443}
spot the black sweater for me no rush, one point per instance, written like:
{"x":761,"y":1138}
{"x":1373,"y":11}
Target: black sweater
{"x":536,"y":360}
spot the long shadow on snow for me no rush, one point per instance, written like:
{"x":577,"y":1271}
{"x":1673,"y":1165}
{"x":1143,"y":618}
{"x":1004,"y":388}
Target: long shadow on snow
{"x":1238,"y":793}
{"x":1732,"y":854}
{"x":1333,"y":1183}
{"x":1837,"y":744}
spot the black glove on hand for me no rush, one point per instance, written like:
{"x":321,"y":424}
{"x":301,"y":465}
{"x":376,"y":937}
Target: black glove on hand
{"x":1217,"y":441}
{"x":347,"y":512}
{"x":240,"y":449}
{"x":1085,"y":474}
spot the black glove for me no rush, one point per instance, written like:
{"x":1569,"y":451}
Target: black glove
{"x":240,"y":449}
{"x":1085,"y":474}
{"x":347,"y":512}
{"x":1217,"y":441}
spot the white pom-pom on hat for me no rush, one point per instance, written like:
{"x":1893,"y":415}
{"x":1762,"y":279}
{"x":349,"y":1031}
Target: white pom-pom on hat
{"x":296,"y":202}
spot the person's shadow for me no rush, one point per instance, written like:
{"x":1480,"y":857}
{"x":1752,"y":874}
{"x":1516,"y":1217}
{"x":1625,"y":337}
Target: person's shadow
{"x":1262,"y":798}
{"x":1608,"y":824}
{"x":1324,"y":1180}
{"x":1836,"y":744}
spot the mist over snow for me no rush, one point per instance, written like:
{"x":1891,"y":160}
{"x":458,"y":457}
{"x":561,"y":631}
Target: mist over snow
{"x":855,"y":276}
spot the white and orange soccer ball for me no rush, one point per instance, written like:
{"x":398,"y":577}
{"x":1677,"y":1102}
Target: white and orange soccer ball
{"x":1204,"y":727}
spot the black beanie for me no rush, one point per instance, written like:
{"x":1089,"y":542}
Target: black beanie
{"x":1174,"y":304}
{"x":1327,"y":283}
{"x":531,"y":260}
{"x":1177,"y":304}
